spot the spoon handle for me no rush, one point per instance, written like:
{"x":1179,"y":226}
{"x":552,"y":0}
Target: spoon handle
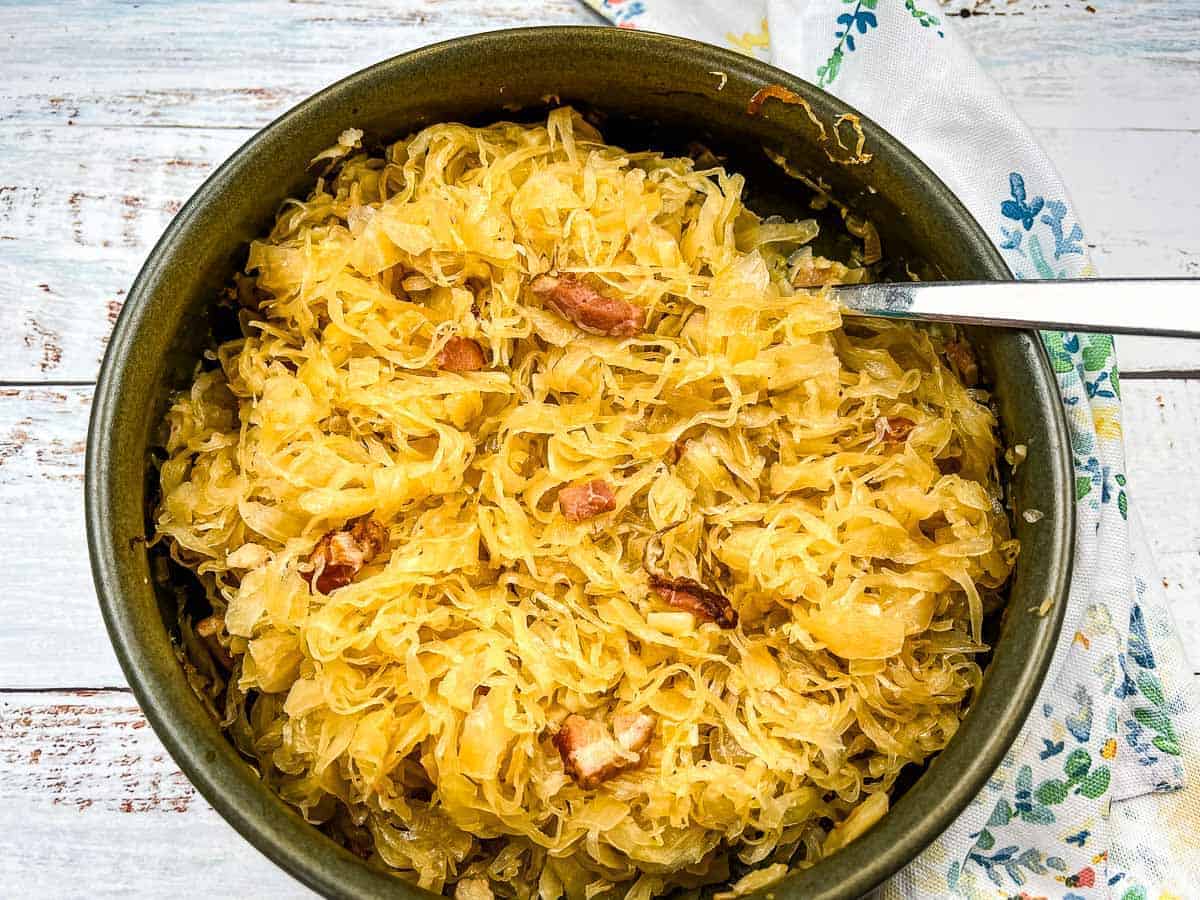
{"x":1159,"y":306}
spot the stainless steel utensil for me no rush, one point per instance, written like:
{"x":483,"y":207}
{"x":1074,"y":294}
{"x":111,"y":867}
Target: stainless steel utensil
{"x":1159,"y":306}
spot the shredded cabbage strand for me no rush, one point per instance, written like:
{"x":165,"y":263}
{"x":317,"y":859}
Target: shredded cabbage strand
{"x":412,"y":711}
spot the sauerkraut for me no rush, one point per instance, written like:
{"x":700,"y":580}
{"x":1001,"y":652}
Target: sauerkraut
{"x":834,"y":486}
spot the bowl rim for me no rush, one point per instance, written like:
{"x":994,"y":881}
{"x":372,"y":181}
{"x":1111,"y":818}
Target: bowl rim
{"x":235,"y":793}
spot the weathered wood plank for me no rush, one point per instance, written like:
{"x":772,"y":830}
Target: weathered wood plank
{"x":53,"y":635}
{"x":1129,"y":61}
{"x":97,"y":801}
{"x":173,"y":63}
{"x":75,"y":227}
{"x":1162,"y":426}
{"x":1063,"y":65}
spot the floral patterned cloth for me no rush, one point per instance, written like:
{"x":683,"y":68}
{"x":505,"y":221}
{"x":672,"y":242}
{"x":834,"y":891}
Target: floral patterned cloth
{"x":1090,"y":801}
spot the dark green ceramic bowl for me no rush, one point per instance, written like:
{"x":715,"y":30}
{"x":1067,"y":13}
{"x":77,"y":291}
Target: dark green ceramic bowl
{"x":649,"y":91}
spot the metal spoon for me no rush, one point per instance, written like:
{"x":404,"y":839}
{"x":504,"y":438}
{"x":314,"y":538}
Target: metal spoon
{"x":1159,"y":306}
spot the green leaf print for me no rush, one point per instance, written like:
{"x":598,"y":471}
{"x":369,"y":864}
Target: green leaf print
{"x":926,"y":19}
{"x":1083,"y":487}
{"x":1115,"y":380}
{"x":1137,"y":892}
{"x":1123,"y":505}
{"x":1097,"y":352}
{"x":1167,"y":745}
{"x":1150,"y":688}
{"x":1095,"y":784}
{"x":1002,"y":814}
{"x":1155,"y":720}
{"x":1039,"y":259}
{"x":985,"y":840}
{"x":1077,"y":764}
{"x":1025,"y":779}
{"x":1060,"y":359}
{"x":1052,"y":792}
{"x":1038,"y":815}
{"x":827,"y":73}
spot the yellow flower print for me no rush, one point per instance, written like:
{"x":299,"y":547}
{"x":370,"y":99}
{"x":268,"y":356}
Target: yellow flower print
{"x":750,"y":41}
{"x":1108,"y":426}
{"x":1110,"y":749}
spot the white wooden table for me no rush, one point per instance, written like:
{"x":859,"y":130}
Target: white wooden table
{"x":112,"y":113}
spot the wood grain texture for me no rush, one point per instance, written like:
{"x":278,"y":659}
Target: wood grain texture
{"x":170,"y":63}
{"x":75,"y":228}
{"x":99,"y":803}
{"x":101,"y":808}
{"x":53,"y":635}
{"x":112,"y":113}
{"x":169,"y":106}
{"x":1131,"y":62}
{"x":1162,"y":430}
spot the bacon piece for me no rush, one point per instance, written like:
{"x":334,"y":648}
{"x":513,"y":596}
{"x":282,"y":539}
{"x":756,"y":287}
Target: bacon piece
{"x":339,"y":555}
{"x":633,"y":730}
{"x":691,"y":596}
{"x":587,"y":308}
{"x":580,"y":502}
{"x":678,"y":449}
{"x":461,"y":354}
{"x":591,"y":755}
{"x":893,"y":429}
{"x":962,"y":360}
{"x":209,"y":630}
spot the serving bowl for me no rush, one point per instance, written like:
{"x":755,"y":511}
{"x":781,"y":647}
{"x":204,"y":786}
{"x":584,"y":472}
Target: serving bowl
{"x":644,"y":90}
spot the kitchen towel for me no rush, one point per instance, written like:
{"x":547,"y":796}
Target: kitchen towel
{"x":1099,"y":795}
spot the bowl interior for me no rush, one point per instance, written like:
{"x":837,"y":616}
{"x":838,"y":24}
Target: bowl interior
{"x":645,"y":91}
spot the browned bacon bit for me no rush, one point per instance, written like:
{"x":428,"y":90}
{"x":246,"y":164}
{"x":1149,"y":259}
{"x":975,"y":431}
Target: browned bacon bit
{"x":962,"y":360}
{"x":587,"y":308}
{"x":815,"y":271}
{"x":591,"y":755}
{"x":461,"y":355}
{"x":580,"y":502}
{"x":209,"y":630}
{"x":678,"y":449}
{"x":691,"y":596}
{"x":339,"y":555}
{"x":893,"y":429}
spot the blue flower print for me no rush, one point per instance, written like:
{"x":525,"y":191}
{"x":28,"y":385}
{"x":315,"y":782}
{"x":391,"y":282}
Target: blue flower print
{"x":859,"y":18}
{"x":1139,"y":640}
{"x":1019,"y":208}
{"x":1056,"y":210}
{"x":1079,"y":723}
{"x":1051,"y":748}
{"x":1012,"y":238}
